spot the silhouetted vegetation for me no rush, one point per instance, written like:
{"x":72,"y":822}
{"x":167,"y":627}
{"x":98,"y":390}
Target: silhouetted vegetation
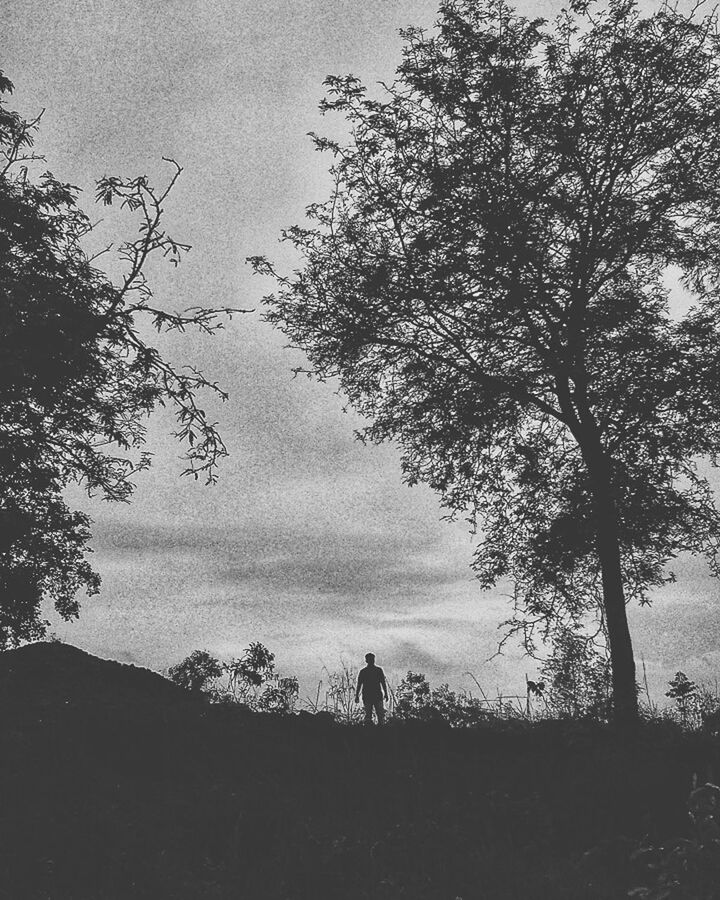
{"x":78,"y":374}
{"x":118,"y":784}
{"x":488,"y":284}
{"x":250,"y":680}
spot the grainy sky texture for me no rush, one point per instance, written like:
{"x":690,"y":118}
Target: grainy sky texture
{"x":310,"y":543}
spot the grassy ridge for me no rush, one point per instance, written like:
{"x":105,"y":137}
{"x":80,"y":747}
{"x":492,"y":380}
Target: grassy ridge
{"x":115,"y":784}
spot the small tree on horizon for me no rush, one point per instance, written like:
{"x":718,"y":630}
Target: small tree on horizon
{"x":488,"y":284}
{"x":250,"y":679}
{"x":197,"y":671}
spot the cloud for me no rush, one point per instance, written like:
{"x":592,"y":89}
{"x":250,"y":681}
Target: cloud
{"x":307,"y":556}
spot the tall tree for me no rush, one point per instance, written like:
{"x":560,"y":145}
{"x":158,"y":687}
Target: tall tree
{"x":77,"y":375}
{"x":489,"y":283}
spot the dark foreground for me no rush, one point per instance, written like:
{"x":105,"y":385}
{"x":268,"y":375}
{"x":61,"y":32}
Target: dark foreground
{"x":115,"y":785}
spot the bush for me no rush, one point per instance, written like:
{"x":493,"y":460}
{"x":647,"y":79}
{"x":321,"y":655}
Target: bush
{"x":197,"y":671}
{"x":416,"y":700}
{"x":578,"y":678}
{"x":250,"y":680}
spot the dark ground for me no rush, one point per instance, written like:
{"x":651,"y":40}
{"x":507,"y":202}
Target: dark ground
{"x":115,"y":784}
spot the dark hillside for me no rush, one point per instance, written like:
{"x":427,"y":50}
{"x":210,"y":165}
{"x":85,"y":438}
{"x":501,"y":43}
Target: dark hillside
{"x":51,"y":673}
{"x":114,"y":784}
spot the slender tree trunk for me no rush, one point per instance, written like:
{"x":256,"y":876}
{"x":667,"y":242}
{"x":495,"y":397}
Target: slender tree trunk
{"x":621,"y":652}
{"x":608,"y":549}
{"x":607,"y":543}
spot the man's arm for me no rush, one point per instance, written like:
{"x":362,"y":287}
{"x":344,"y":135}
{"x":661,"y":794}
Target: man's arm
{"x":359,"y":685}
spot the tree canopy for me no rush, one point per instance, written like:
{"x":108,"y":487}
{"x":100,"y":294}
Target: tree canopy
{"x":77,"y":375}
{"x":489,"y":283}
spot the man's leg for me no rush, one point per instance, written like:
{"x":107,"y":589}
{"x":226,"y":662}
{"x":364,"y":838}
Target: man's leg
{"x":380,"y":711}
{"x":368,"y":704}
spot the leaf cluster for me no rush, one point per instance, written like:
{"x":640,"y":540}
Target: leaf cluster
{"x":415,"y":700}
{"x":78,"y":378}
{"x":487,"y":283}
{"x":249,"y":680}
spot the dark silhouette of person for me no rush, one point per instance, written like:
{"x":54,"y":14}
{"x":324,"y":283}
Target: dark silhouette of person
{"x":371,"y":681}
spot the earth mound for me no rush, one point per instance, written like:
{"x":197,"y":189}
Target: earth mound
{"x":50,"y":673}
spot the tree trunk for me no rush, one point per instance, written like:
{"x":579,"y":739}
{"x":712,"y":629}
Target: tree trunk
{"x":624,"y":686}
{"x":621,"y":652}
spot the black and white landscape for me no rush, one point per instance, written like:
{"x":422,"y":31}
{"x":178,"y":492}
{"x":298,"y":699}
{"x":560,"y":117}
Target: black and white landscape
{"x":359,"y":366}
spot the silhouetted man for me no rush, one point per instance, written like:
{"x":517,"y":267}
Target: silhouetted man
{"x":371,"y":681}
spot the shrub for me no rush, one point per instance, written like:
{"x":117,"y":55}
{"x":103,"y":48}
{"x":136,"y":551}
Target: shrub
{"x":279,"y":696}
{"x":687,"y":701}
{"x":578,"y":678}
{"x":250,"y":680}
{"x":416,"y":700}
{"x":197,"y":671}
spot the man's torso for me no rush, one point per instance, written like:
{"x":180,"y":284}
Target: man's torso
{"x":371,"y":680}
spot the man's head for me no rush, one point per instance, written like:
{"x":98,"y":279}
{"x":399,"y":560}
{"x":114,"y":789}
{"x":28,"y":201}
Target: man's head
{"x":370,"y":659}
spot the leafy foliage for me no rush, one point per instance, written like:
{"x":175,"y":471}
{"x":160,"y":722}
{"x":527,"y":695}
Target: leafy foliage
{"x":487,"y":282}
{"x":248,"y":672}
{"x":77,"y":375}
{"x":250,"y":680}
{"x":280,"y":696}
{"x":416,"y":700}
{"x":695,"y":705}
{"x":578,"y":676}
{"x":197,"y":671}
{"x":681,"y":688}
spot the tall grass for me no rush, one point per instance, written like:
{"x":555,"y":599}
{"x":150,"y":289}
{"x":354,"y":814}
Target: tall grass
{"x":576,"y":692}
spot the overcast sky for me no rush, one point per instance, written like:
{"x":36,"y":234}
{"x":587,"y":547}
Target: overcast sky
{"x":310,"y":542}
